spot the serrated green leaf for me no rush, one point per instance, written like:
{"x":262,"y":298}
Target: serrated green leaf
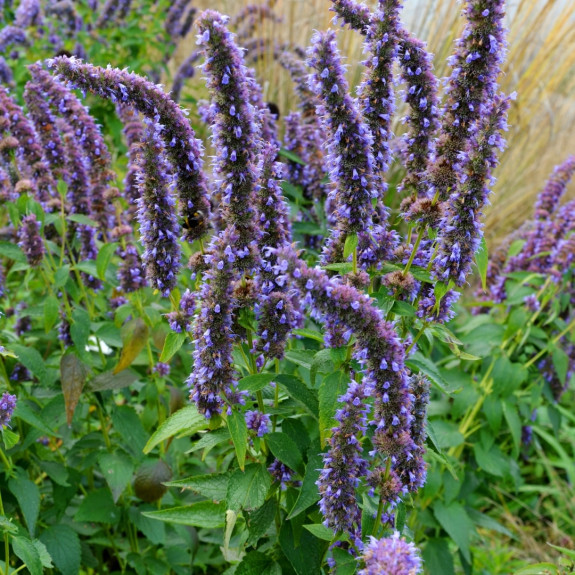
{"x":24,"y":412}
{"x":285,"y":449}
{"x":256,"y":563}
{"x":421,"y":364}
{"x":248,"y":489}
{"x":256,"y":382}
{"x":239,"y":434}
{"x":456,"y":522}
{"x":172,"y":345}
{"x":63,"y":544}
{"x":45,"y":558}
{"x":214,"y":487}
{"x":51,"y":312}
{"x":117,"y":469}
{"x":185,"y":421}
{"x":350,"y":245}
{"x":98,"y":507}
{"x":320,"y":531}
{"x":211,"y":439}
{"x":309,"y":493}
{"x":103,"y":259}
{"x":204,"y":514}
{"x":28,"y":496}
{"x":25,"y":550}
{"x":481,"y":261}
{"x":10,"y":438}
{"x":260,"y":520}
{"x":80,"y":329}
{"x":298,"y":390}
{"x":30,"y":358}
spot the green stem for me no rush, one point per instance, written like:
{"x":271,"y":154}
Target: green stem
{"x":414,"y":251}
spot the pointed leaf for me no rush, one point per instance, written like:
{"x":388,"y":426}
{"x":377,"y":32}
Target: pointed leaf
{"x":117,"y":469}
{"x":203,"y":514}
{"x":172,"y":344}
{"x":481,"y":261}
{"x":134,"y":335}
{"x":28,"y":496}
{"x":239,"y":434}
{"x":63,"y":545}
{"x":214,"y":487}
{"x":25,"y":550}
{"x":248,"y":489}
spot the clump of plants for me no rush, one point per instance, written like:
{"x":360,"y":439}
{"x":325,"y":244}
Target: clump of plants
{"x":228,"y":369}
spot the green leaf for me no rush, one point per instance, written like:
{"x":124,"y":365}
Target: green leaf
{"x":25,"y":550}
{"x":210,"y":440}
{"x":83,"y":220}
{"x":538,"y":569}
{"x":260,"y":520}
{"x":128,"y":425}
{"x":214,"y":487}
{"x":45,"y":558}
{"x":421,"y":364}
{"x":204,"y":514}
{"x":514,"y":423}
{"x":445,"y":433}
{"x":308,"y":494}
{"x":80,"y":329}
{"x":28,"y":496}
{"x":560,"y":363}
{"x":135,"y":336}
{"x":437,"y":558}
{"x":481,"y":261}
{"x":239,"y":434}
{"x":172,"y":345}
{"x":298,"y":390}
{"x":72,"y":376}
{"x":30,"y":358}
{"x":345,"y":563}
{"x":330,"y":390}
{"x":291,"y":156}
{"x":103,"y":259}
{"x":12,"y":252}
{"x":351,"y":243}
{"x":491,"y":461}
{"x":301,"y":357}
{"x":63,"y":544}
{"x":456,"y":522}
{"x":98,"y":507}
{"x":109,"y":380}
{"x":285,"y":449}
{"x":248,"y":489}
{"x":185,"y":421}
{"x":10,"y":438}
{"x":51,"y":312}
{"x":305,"y":554}
{"x":402,"y":308}
{"x":256,"y":563}
{"x":256,"y":382}
{"x":6,"y":525}
{"x":117,"y":469}
{"x":321,"y":531}
{"x":61,"y":276}
{"x":567,"y":552}
{"x":309,"y":333}
{"x":342,"y":268}
{"x":24,"y":412}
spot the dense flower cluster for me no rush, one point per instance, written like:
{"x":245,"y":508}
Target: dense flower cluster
{"x":7,"y":407}
{"x":30,"y":240}
{"x":391,"y":556}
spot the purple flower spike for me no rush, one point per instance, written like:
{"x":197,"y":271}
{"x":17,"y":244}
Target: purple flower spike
{"x":421,"y":96}
{"x":28,"y":14}
{"x":213,"y":375}
{"x":379,"y":349}
{"x":376,"y":91}
{"x":11,"y":35}
{"x":183,"y":149}
{"x":7,"y":407}
{"x":21,"y":128}
{"x":258,"y":422}
{"x":549,"y":198}
{"x":235,"y":132}
{"x":391,"y":556}
{"x":350,"y":159}
{"x":472,"y":85}
{"x":460,"y":231}
{"x":31,"y":241}
{"x":355,"y":14}
{"x":181,"y":320}
{"x":186,"y":71}
{"x":112,"y":13}
{"x":344,"y":465}
{"x":89,"y":138}
{"x":130,"y":273}
{"x":156,"y":213}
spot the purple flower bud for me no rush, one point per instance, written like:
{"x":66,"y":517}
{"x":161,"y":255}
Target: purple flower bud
{"x":258,"y":422}
{"x":162,"y":369}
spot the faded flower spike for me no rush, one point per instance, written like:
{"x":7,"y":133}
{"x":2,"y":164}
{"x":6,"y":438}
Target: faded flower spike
{"x":350,"y":159}
{"x":30,"y":240}
{"x":156,"y":214}
{"x":391,"y":556}
{"x":182,"y":147}
{"x":235,"y":132}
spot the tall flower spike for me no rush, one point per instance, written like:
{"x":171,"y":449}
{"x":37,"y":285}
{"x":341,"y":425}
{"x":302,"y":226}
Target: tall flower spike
{"x":133,"y":131}
{"x":235,"y":132}
{"x":213,"y":375}
{"x":460,"y":231}
{"x":246,"y":21}
{"x":157,"y":213}
{"x":28,"y":13}
{"x":382,"y":352}
{"x":421,"y":96}
{"x":471,"y":86}
{"x":391,"y":556}
{"x":344,"y":465}
{"x":275,"y":311}
{"x":376,"y":95}
{"x":350,"y":159}
{"x":112,"y":13}
{"x":88,"y":136}
{"x":549,"y":198}
{"x":183,"y":149}
{"x":23,"y":130}
{"x":186,"y":71}
{"x":11,"y":35}
{"x":7,"y":407}
{"x":355,"y":14}
{"x":31,"y":241}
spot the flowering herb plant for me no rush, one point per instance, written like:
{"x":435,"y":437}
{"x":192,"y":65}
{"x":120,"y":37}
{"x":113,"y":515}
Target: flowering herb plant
{"x":253,"y":347}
